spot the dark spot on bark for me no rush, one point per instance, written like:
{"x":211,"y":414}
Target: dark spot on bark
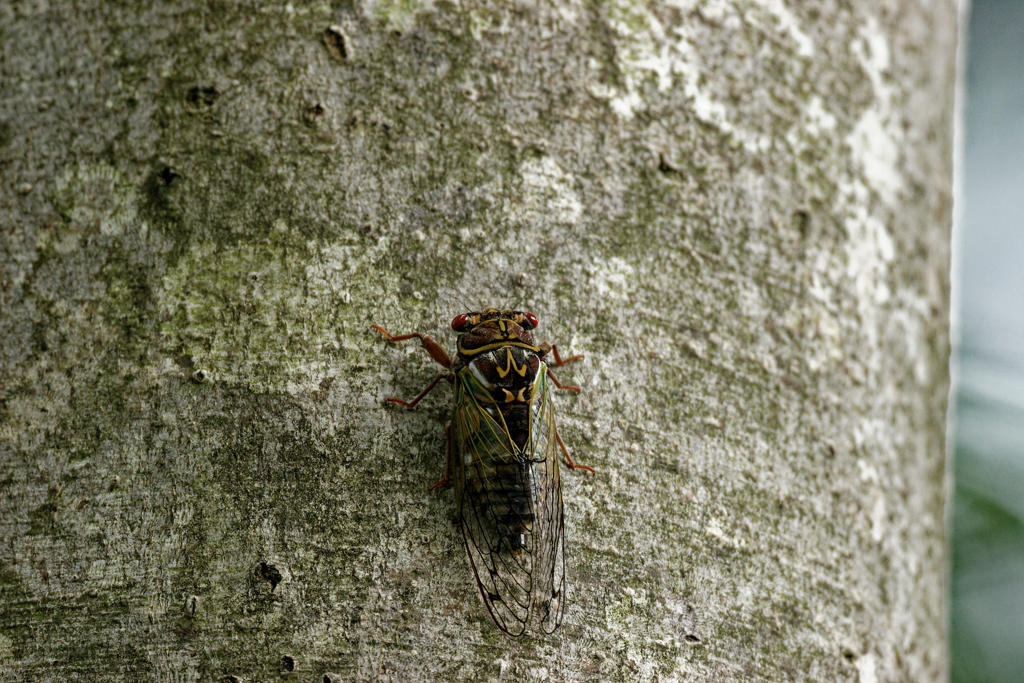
{"x":202,"y":96}
{"x":167,"y":175}
{"x":266,"y":571}
{"x":692,"y":638}
{"x":666,"y":165}
{"x":802,"y":222}
{"x":5,"y":134}
{"x":521,"y":280}
{"x":192,"y":606}
{"x":792,"y":382}
{"x":200,"y":376}
{"x":232,"y":679}
{"x":288,"y":663}
{"x":337,"y":43}
{"x":314,"y":113}
{"x":331,"y":678}
{"x":184,"y":361}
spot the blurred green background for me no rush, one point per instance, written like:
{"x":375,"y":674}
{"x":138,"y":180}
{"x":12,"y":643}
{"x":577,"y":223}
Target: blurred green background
{"x":987,"y":636}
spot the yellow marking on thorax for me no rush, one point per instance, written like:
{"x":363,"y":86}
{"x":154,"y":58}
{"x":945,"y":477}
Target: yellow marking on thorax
{"x":511,"y":365}
{"x":496,"y":345}
{"x":509,"y":396}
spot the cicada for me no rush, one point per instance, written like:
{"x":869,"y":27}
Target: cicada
{"x":503,"y":446}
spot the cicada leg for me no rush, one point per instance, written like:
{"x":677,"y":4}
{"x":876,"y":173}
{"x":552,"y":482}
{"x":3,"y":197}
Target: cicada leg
{"x":435,"y":350}
{"x":448,"y":461}
{"x":568,"y":460}
{"x":547,"y":347}
{"x":566,"y":387}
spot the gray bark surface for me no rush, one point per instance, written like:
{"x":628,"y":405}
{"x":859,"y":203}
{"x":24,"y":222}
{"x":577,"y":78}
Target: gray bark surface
{"x":739,"y":210}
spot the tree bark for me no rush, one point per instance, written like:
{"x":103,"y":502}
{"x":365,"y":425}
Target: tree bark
{"x":738,"y":210}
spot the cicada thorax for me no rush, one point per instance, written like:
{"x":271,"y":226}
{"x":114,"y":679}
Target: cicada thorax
{"x":505,"y":362}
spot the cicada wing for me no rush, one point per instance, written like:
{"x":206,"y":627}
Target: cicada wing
{"x":549,"y":583}
{"x":494,"y":486}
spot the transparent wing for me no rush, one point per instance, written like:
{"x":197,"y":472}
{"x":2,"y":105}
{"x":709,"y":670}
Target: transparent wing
{"x":550,"y":585}
{"x":510,"y":508}
{"x":495,"y":489}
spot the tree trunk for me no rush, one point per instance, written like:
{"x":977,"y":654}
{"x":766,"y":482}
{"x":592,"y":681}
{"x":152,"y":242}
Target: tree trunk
{"x":738,"y":210}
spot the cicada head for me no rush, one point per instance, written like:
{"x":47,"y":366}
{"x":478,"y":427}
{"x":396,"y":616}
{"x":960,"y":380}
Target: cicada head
{"x":491,"y":325}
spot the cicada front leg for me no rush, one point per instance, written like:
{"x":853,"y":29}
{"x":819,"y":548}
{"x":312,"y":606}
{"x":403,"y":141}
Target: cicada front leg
{"x":436,"y":352}
{"x":546,"y":348}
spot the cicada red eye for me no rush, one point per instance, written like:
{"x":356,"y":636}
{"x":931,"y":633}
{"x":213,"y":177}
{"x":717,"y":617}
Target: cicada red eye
{"x":459,"y":320}
{"x":531,"y":319}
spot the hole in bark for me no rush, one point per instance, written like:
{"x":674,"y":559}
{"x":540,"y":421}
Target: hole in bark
{"x":666,"y":165}
{"x":288,"y":663}
{"x":206,"y":96}
{"x":337,"y":43}
{"x":331,"y":678}
{"x":167,"y":175}
{"x":199,"y":376}
{"x":314,"y":113}
{"x":266,"y":571}
{"x":802,"y":222}
{"x":692,"y":638}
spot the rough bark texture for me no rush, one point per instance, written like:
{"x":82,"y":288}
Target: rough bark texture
{"x":737,"y":209}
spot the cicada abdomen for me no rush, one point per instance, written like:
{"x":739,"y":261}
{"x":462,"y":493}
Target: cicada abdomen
{"x":502,"y":451}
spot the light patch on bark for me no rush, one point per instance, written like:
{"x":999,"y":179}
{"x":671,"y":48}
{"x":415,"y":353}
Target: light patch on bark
{"x":111,"y":206}
{"x":648,"y":47}
{"x":397,"y":15}
{"x":876,"y":139}
{"x":866,"y":669}
{"x":547,"y":196}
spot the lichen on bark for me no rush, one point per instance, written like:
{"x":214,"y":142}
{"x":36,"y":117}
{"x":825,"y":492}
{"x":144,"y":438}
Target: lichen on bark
{"x":738,"y":210}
